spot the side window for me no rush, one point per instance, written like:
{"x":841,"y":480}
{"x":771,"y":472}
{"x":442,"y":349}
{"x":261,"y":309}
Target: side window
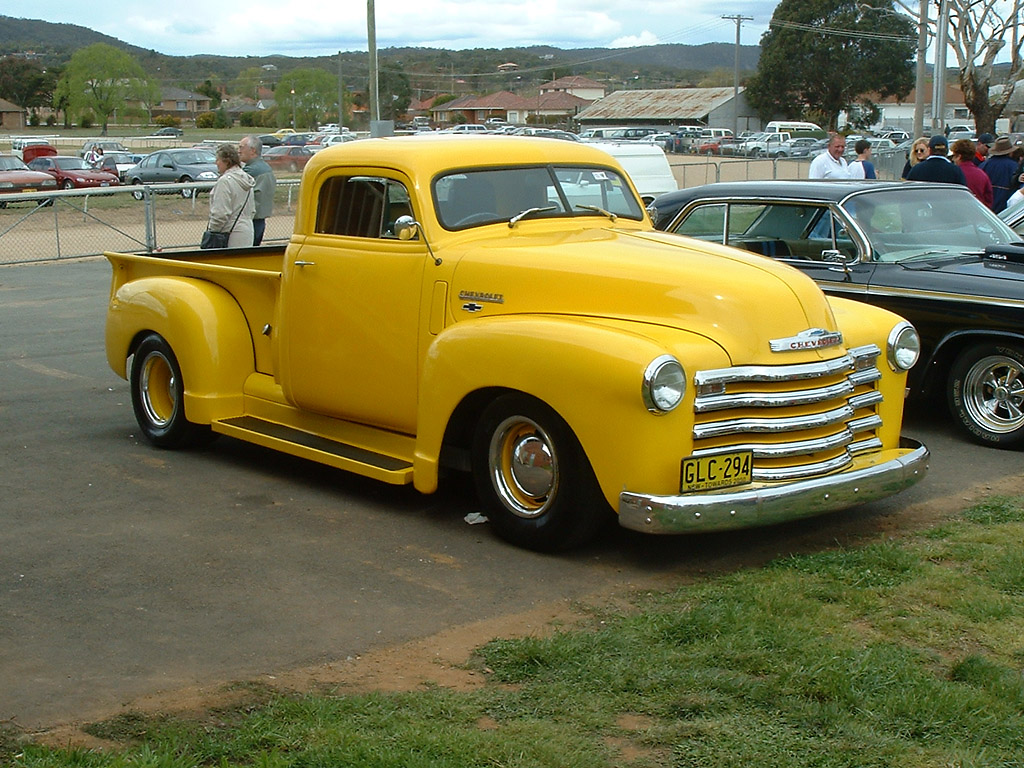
{"x":361,"y":206}
{"x":706,"y":222}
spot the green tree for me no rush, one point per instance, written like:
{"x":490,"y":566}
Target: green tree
{"x":100,"y":78}
{"x":821,"y":57}
{"x":395,"y":93}
{"x":310,"y":95}
{"x":207,"y":88}
{"x":25,"y":82}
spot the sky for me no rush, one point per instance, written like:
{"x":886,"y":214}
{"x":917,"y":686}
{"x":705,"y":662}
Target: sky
{"x":311,"y":28}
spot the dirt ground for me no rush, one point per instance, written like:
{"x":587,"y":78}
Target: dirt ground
{"x":445,"y":659}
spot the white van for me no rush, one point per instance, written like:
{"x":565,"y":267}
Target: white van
{"x":18,"y":143}
{"x":792,"y":126}
{"x":646,"y":165}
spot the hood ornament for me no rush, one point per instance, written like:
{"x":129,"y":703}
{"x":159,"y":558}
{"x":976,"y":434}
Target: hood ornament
{"x":812,"y":338}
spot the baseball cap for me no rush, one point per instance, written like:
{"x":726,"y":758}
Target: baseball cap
{"x":986,"y":139}
{"x":937,"y":140}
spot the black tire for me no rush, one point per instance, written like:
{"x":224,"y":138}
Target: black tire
{"x":138,"y":194}
{"x":186,"y":193}
{"x":67,"y":184}
{"x":544,"y":505}
{"x":986,"y":394}
{"x":293,"y":167}
{"x":158,"y":397}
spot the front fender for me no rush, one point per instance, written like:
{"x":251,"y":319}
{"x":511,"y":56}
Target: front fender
{"x":204,"y":326}
{"x":590,"y":372}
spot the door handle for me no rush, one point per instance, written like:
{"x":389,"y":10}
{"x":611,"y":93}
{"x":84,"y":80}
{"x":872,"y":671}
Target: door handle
{"x":305,"y":263}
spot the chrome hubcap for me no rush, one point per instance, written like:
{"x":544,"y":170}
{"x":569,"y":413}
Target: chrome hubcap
{"x":524,"y":467}
{"x":157,"y":387}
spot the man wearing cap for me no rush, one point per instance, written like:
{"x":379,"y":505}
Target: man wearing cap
{"x":1002,"y":170}
{"x":984,"y":145}
{"x":936,"y":167}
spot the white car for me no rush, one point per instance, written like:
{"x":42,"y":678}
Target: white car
{"x":330,"y":141}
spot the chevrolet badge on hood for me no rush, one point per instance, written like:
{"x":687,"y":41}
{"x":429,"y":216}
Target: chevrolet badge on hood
{"x":812,"y":338}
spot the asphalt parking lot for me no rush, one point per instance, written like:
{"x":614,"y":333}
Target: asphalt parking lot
{"x":125,"y":570}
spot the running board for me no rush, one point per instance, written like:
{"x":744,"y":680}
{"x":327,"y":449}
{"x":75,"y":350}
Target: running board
{"x":316,"y":448}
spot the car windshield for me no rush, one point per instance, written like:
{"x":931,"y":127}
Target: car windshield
{"x":471,"y":198}
{"x":9,"y":163}
{"x":71,"y":164}
{"x":928,"y":223}
{"x":197,"y":157}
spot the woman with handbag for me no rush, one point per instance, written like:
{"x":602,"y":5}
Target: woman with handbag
{"x":231,"y":203}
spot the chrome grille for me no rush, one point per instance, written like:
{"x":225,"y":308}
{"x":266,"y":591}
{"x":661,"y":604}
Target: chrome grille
{"x":798,"y":420}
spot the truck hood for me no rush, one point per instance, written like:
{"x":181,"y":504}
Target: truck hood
{"x":735,"y":299}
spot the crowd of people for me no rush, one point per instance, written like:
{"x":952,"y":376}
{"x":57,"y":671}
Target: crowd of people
{"x":992,"y":168}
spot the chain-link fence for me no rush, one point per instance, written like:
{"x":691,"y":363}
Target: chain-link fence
{"x":41,"y":226}
{"x":74,"y":223}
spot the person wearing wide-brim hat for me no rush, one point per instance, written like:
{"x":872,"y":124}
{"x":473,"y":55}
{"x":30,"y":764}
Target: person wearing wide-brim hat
{"x":1002,"y":170}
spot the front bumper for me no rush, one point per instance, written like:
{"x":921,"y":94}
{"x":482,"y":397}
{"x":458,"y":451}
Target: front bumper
{"x":888,"y":473}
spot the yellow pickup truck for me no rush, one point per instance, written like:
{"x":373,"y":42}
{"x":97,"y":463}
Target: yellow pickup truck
{"x":503,"y":306}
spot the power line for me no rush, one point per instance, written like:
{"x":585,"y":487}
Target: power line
{"x":838,"y":32}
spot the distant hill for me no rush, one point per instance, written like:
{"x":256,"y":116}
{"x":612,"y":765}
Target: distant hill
{"x":652,"y":66}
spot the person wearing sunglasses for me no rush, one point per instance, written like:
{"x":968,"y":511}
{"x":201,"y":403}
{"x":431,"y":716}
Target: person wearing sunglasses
{"x":918,"y":152}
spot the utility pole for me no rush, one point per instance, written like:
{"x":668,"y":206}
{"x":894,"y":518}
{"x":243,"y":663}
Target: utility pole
{"x":341,"y":96}
{"x":939,"y":75}
{"x":922,"y":52}
{"x":371,"y":39}
{"x":736,"y":74}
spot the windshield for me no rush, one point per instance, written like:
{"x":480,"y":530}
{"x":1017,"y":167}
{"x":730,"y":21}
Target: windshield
{"x":71,"y":164}
{"x":199,"y":157}
{"x":12,"y":164}
{"x":926,"y":223}
{"x":472,"y":198}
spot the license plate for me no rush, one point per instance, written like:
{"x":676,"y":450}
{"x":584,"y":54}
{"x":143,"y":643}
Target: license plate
{"x":104,"y":183}
{"x":723,"y":470}
{"x":29,"y":189}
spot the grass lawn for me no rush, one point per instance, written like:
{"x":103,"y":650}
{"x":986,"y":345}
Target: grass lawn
{"x":905,"y":652}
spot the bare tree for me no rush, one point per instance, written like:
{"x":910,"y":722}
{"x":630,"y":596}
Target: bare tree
{"x":978,"y":32}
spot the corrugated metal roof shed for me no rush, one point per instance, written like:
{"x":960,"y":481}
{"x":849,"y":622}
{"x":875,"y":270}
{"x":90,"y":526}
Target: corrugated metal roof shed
{"x":658,"y":105}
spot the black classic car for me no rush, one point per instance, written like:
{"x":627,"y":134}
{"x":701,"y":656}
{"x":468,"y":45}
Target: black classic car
{"x":929,"y":252}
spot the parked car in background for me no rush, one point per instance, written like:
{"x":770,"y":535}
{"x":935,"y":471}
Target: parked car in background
{"x":18,"y":144}
{"x":684,"y":137}
{"x":269,"y":140}
{"x":802,"y":146}
{"x":960,"y":132}
{"x":286,"y":158}
{"x":173,"y":165}
{"x":331,"y":140}
{"x":298,"y":139}
{"x":15,"y":176}
{"x":929,"y":252}
{"x":1013,"y":217}
{"x":118,"y":162}
{"x":169,"y":130}
{"x":107,"y":145}
{"x":74,"y":172}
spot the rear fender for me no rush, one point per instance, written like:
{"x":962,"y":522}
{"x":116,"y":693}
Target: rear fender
{"x":205,"y":327}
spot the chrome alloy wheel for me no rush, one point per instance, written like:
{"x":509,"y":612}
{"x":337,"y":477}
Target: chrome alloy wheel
{"x":993,"y":393}
{"x":523,"y":466}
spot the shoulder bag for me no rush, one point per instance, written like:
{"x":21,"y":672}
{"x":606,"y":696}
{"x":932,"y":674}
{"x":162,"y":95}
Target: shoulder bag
{"x":213,"y":239}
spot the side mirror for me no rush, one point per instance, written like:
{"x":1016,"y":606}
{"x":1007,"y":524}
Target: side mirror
{"x":406,"y":227}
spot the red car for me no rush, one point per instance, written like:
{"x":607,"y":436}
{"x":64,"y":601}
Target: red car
{"x":73,"y":172}
{"x":287,"y":158}
{"x":15,"y":176}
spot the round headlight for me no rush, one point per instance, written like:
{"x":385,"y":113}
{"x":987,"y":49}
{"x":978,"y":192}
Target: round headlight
{"x":904,"y":347}
{"x":664,"y":384}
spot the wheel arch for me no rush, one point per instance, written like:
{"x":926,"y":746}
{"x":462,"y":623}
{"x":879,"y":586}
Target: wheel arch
{"x":935,"y":370}
{"x":590,"y":374}
{"x":205,"y":327}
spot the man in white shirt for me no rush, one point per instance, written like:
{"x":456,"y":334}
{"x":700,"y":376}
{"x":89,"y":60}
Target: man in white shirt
{"x":831,"y":164}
